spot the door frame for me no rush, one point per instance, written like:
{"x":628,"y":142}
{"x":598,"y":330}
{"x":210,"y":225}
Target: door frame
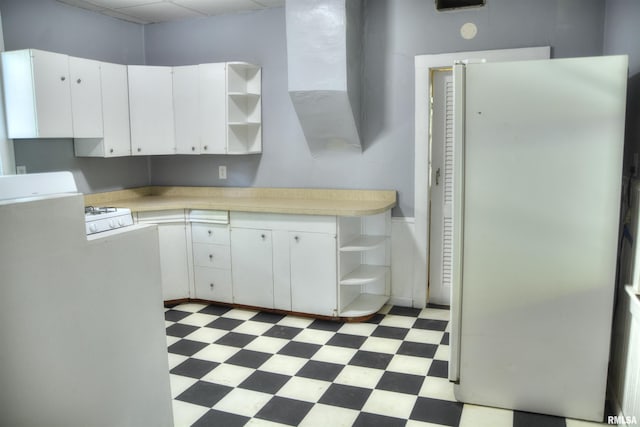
{"x":423,"y":65}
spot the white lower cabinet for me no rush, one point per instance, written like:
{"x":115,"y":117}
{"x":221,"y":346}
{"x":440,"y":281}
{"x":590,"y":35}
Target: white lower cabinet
{"x":313,"y":273}
{"x":211,"y":256}
{"x":252,"y":266}
{"x":175,"y":253}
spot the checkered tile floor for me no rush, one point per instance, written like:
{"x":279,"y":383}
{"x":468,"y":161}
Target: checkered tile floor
{"x":233,"y":367}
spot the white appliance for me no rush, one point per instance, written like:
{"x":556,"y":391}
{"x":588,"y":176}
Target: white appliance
{"x":99,"y":219}
{"x":538,"y":170}
{"x":36,"y":185}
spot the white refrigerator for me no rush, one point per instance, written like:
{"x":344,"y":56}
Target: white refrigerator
{"x":538,"y":170}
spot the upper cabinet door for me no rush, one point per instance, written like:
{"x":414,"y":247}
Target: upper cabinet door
{"x":37,"y":94}
{"x":86,"y":98}
{"x":115,"y":109}
{"x":186,"y":103}
{"x":151,"y":110}
{"x":213,"y":108}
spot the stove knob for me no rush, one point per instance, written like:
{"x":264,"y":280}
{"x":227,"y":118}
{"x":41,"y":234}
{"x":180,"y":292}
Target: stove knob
{"x":93,"y":228}
{"x":112,"y":223}
{"x":120,"y":222}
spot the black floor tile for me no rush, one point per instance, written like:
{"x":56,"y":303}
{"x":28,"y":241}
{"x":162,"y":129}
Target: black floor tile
{"x":265,"y":382}
{"x":401,"y":383}
{"x":370,"y":359}
{"x":175,"y":315}
{"x":180,"y":330}
{"x":215,"y":418}
{"x":320,"y":370}
{"x":248,"y":358}
{"x":285,"y":411}
{"x":235,"y":339}
{"x":445,"y":339}
{"x":346,"y":340}
{"x":194,"y":368}
{"x":268,"y":317}
{"x":409,"y":348}
{"x":204,"y":393}
{"x":529,"y":419}
{"x":390,"y":332}
{"x":437,"y":411}
{"x":439,"y":368}
{"x":376,"y":318}
{"x":285,"y":332}
{"x":431,"y":324}
{"x":299,"y":349}
{"x":325,"y":325}
{"x":225,"y":323}
{"x":186,"y":347}
{"x":366,"y":419}
{"x":438,"y":306}
{"x":345,"y":396}
{"x":217,"y":310}
{"x":405,"y":311}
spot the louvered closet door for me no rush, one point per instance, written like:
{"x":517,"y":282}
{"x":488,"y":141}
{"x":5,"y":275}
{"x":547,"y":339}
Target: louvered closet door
{"x":441,"y":240}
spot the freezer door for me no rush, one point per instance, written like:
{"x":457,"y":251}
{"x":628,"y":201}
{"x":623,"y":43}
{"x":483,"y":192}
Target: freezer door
{"x":543,"y":144}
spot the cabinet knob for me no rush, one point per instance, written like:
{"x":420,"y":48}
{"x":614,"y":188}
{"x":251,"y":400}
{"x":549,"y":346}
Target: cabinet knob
{"x":296,"y":238}
{"x":111,"y":150}
{"x":210,"y":232}
{"x":62,"y":78}
{"x":79,"y":81}
{"x":139,"y":149}
{"x":193,"y":148}
{"x":262,"y":236}
{"x":211,"y":286}
{"x":205,"y":147}
{"x":210,"y":256}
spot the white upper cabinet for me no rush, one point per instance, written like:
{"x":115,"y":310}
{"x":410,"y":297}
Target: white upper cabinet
{"x":37,"y":94}
{"x":186,"y":101}
{"x":212,"y":108}
{"x":86,"y":98}
{"x":114,"y":107}
{"x":151,"y":110}
{"x":244,"y":108}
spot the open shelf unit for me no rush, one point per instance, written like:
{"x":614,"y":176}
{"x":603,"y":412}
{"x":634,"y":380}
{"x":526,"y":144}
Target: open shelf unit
{"x":364,"y":264}
{"x":244,"y":108}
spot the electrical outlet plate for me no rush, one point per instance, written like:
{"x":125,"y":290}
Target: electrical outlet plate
{"x":222,"y":172}
{"x":21,"y":170}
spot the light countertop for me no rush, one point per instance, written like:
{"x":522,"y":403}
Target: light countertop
{"x":268,"y":200}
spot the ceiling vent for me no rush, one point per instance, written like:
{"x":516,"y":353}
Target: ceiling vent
{"x":324,"y":49}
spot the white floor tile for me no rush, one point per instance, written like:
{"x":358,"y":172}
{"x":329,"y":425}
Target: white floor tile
{"x":257,"y":422}
{"x":381,"y":345}
{"x":198,"y":319}
{"x":172,"y":340}
{"x":180,"y":384}
{"x":306,"y":389}
{"x":281,"y":364}
{"x":207,"y":335}
{"x":191,"y":307}
{"x":266,"y":344}
{"x":295,"y":321}
{"x":314,"y":336}
{"x":185,"y":414}
{"x":483,"y":416}
{"x":326,"y":415}
{"x":253,"y":328}
{"x":581,"y":423}
{"x":243,"y":402}
{"x":333,"y":354}
{"x":424,"y":336}
{"x":390,"y":404}
{"x":216,"y":353}
{"x":415,"y":423}
{"x":230,"y":375}
{"x":398,"y":321}
{"x":409,"y":364}
{"x":434,"y":313}
{"x":359,"y":376}
{"x":240,"y":314}
{"x":442,"y":353}
{"x":362,"y":329}
{"x":175,"y":360}
{"x":437,"y":388}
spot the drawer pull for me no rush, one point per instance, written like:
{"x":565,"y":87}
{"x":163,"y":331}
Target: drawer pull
{"x":262,"y":236}
{"x":297,"y":239}
{"x":210,"y":257}
{"x":211,"y":286}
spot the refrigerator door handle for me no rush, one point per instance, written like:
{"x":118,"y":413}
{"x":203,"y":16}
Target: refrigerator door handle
{"x":458,"y":210}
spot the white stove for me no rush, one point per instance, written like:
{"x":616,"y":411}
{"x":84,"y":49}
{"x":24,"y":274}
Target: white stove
{"x":98,"y":219}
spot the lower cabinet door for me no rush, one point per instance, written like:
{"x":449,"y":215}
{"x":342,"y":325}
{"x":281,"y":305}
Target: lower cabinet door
{"x":313,"y":273}
{"x":174,"y":264}
{"x":252,"y":267}
{"x":213,"y":284}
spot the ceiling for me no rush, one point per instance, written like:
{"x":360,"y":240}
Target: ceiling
{"x":151,"y":11}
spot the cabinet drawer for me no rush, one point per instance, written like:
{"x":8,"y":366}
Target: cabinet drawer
{"x":160,"y":217}
{"x":213,"y":256}
{"x":285,"y":222}
{"x":213,"y":284}
{"x":210,"y":233}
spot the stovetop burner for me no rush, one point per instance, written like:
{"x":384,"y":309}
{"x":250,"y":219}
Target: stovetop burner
{"x":94,"y":210}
